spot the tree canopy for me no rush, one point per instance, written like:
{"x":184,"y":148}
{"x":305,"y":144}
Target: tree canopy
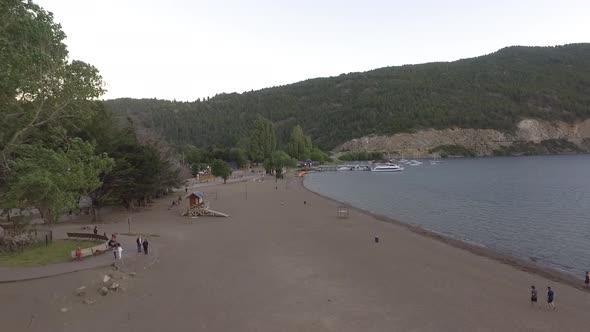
{"x":262,"y":141}
{"x":39,"y":87}
{"x":220,"y":169}
{"x":54,"y":180}
{"x":299,"y":146}
{"x":277,"y":162}
{"x":57,"y":143}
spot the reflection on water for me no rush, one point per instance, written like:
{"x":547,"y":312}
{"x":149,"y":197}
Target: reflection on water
{"x":530,"y":207}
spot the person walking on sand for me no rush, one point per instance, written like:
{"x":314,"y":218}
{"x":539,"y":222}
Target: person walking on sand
{"x":139,"y":242}
{"x":145,"y":246}
{"x":95,"y":230}
{"x":533,"y":296}
{"x":119,"y":251}
{"x":587,"y":280}
{"x":550,"y":298}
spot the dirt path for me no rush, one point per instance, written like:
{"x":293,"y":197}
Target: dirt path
{"x":280,"y":265}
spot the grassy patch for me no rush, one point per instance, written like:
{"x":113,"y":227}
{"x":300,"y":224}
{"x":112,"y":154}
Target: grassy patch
{"x":58,"y":251}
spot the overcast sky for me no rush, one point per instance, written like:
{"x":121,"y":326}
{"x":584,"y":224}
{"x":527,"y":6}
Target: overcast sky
{"x":183,"y":50}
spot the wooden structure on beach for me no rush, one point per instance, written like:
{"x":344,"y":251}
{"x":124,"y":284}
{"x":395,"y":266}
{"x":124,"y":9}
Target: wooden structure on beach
{"x":195,"y":199}
{"x":342,"y":211}
{"x":198,"y":207}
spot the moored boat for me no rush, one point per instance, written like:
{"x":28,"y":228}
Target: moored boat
{"x":387,"y":168}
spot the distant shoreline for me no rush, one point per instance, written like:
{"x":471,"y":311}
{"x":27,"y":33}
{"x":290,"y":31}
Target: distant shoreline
{"x":515,"y":262}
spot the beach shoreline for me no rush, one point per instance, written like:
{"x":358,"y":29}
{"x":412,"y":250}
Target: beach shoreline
{"x":480,"y":250}
{"x":283,"y":261}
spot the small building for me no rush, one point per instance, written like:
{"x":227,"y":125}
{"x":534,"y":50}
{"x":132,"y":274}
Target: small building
{"x":196,"y":199}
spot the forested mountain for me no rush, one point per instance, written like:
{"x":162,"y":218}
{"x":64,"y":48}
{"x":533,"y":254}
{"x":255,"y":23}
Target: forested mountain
{"x":494,"y":91}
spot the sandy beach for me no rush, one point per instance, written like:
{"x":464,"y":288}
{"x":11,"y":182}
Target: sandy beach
{"x":278,"y":264}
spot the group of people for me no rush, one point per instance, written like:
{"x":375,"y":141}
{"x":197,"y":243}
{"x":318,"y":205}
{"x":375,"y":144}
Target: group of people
{"x":117,"y":249}
{"x":142,"y":243}
{"x":551,"y":293}
{"x":177,"y":202}
{"x":550,"y":297}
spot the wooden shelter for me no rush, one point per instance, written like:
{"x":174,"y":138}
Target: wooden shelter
{"x":196,"y":199}
{"x":198,"y":207}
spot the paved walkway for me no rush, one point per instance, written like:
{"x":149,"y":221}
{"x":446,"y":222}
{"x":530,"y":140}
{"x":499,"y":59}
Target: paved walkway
{"x":12,"y":274}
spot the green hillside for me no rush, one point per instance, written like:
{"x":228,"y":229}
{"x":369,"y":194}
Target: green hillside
{"x":492,"y":91}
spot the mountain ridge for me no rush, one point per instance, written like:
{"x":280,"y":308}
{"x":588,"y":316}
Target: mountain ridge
{"x":494,"y":91}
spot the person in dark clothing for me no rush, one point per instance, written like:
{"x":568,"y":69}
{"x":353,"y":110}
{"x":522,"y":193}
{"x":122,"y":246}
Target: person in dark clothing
{"x":533,"y":295}
{"x":587,"y":280}
{"x":95,"y":230}
{"x":145,"y":246}
{"x":550,"y":298}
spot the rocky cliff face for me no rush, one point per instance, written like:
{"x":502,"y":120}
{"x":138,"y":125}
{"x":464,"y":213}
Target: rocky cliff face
{"x":482,"y":142}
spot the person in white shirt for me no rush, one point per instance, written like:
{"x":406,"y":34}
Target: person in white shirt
{"x":139,"y":242}
{"x":119,"y":251}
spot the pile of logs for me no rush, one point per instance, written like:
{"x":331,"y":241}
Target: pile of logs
{"x":203,"y":210}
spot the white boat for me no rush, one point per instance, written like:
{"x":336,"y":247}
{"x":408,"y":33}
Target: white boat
{"x":403,"y":161}
{"x":387,"y":168}
{"x":414,"y":163}
{"x":345,"y":168}
{"x":361,"y":168}
{"x":435,"y":161}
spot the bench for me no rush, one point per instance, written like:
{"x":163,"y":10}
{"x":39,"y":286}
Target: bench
{"x":88,"y":236}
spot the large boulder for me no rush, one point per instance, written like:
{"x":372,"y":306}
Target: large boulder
{"x":103,"y":291}
{"x":89,"y":301}
{"x":81,"y":291}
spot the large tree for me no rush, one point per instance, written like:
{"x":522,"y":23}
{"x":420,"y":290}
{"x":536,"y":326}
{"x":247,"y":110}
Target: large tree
{"x":299,"y":146}
{"x":40,"y":89}
{"x":53,"y":181}
{"x":220,"y":169}
{"x":238,"y":156}
{"x":262,"y":140}
{"x":277,"y":162}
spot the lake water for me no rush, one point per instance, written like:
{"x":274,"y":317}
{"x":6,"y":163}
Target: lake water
{"x":529,"y":207}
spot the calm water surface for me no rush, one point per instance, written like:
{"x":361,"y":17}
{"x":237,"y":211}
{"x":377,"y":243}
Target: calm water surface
{"x":530,"y":207}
